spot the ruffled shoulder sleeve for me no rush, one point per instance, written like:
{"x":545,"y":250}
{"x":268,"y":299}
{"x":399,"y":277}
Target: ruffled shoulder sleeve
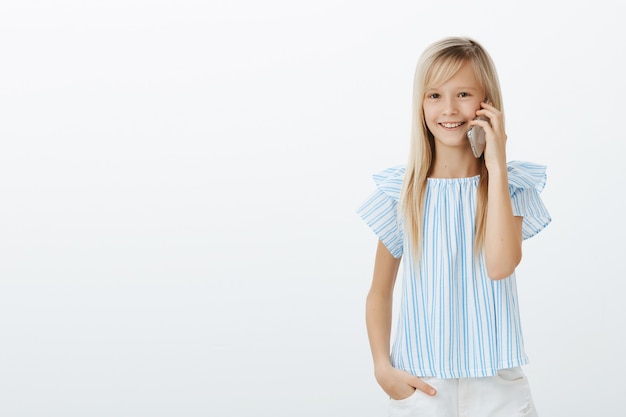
{"x":380,"y":210}
{"x":526,"y":181}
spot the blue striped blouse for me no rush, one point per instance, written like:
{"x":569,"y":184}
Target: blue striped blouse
{"x":453,"y":320}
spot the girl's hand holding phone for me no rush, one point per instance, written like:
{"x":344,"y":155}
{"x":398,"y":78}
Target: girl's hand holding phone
{"x":495,"y":136}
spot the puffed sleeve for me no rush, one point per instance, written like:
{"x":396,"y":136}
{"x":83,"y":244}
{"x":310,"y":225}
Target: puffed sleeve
{"x":526,"y":181}
{"x":380,"y":211}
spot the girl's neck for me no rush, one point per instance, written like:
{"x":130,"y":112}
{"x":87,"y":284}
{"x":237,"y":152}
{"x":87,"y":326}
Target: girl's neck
{"x":455,"y":165}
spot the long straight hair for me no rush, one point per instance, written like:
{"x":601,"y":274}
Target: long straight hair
{"x":437,"y":64}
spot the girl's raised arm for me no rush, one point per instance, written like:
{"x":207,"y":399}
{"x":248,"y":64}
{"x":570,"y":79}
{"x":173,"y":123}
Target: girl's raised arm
{"x":503,"y":232}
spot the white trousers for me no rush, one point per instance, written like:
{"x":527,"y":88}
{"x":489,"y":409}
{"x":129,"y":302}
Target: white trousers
{"x":506,"y":394}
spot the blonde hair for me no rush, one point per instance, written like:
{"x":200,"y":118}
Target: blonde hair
{"x":437,"y":64}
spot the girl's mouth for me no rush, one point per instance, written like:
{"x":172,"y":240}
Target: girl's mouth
{"x":452,"y":125}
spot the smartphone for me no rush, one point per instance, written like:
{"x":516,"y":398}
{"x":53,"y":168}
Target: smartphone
{"x":476,"y":136}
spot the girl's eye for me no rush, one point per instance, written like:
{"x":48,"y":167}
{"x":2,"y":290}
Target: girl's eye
{"x":464,"y":95}
{"x":433,"y":95}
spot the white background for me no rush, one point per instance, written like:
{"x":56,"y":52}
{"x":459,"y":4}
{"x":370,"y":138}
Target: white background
{"x":178,"y":182}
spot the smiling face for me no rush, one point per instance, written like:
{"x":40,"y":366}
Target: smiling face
{"x":450,"y":106}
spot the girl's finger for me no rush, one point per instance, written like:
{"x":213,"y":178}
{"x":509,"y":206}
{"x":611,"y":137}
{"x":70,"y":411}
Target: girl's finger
{"x":495,"y":119}
{"x":423,"y":386}
{"x":487,"y":106}
{"x":482,"y":123}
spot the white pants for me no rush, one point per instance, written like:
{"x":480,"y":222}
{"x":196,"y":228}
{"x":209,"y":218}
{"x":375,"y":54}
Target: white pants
{"x":506,"y":394}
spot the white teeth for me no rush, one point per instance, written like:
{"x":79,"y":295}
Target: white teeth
{"x":451,"y":125}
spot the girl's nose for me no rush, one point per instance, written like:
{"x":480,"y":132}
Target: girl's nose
{"x":449,"y":107}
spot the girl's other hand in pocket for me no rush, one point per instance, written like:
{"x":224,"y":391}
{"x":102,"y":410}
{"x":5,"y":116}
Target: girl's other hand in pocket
{"x":399,"y":384}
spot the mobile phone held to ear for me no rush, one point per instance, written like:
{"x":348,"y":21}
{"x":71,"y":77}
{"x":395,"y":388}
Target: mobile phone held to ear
{"x":476,"y":136}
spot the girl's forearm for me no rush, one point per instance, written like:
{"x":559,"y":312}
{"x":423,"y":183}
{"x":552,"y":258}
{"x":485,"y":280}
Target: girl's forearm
{"x":378,"y":320}
{"x":503,"y":234}
{"x":378,"y":309}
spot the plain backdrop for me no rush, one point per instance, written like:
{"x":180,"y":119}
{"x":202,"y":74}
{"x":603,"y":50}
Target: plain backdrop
{"x":179,"y":179}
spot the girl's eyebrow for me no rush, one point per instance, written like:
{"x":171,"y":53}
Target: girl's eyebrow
{"x":467,"y":88}
{"x":436,"y":89}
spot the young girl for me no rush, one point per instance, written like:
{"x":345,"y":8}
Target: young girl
{"x":458,"y":221}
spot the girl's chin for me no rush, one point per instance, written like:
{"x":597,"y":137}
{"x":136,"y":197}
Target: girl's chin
{"x":452,"y":140}
{"x":459,"y":145}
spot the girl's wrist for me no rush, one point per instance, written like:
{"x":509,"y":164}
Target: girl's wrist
{"x":382,"y":372}
{"x":497,"y":168}
{"x":382,"y":366}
